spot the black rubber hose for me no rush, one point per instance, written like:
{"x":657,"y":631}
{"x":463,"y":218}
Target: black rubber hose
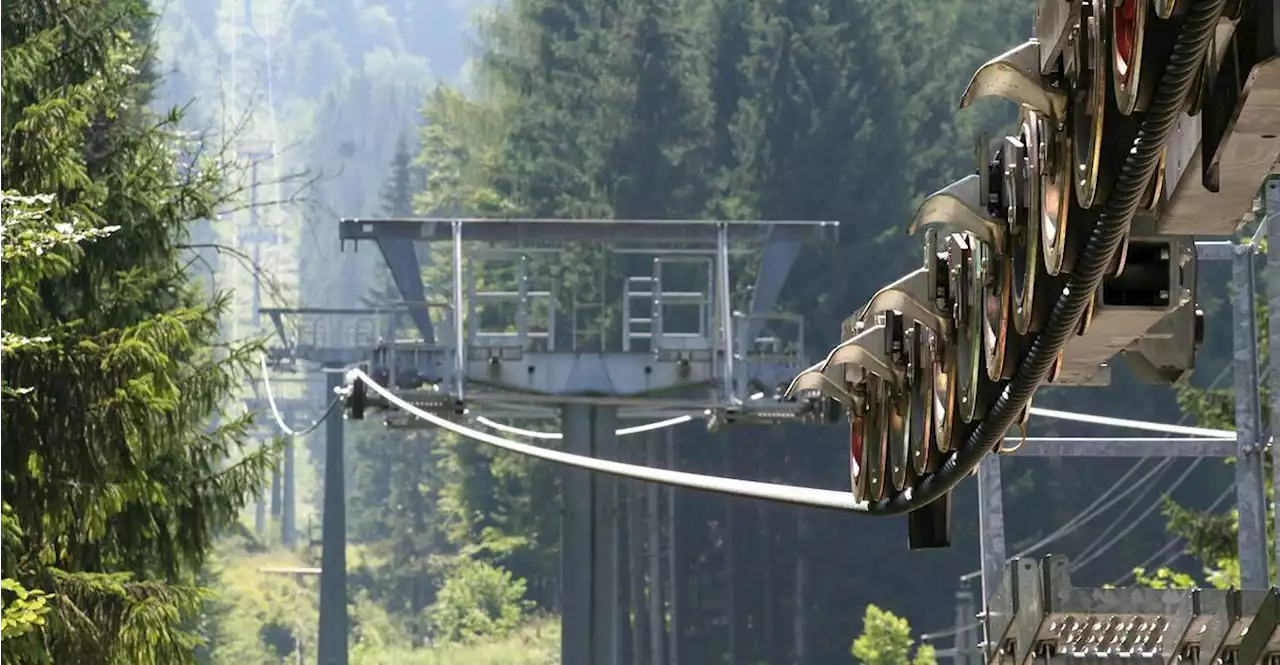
{"x":1107,"y":234}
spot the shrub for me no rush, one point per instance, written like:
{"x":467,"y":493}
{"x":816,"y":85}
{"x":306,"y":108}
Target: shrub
{"x":478,"y":600}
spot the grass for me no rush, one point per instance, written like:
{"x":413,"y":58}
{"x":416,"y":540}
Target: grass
{"x":536,"y":643}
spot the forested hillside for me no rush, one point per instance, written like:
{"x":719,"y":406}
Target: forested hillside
{"x":132,"y":283}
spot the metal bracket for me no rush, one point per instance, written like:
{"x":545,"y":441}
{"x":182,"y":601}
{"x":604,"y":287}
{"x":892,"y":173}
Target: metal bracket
{"x":814,"y":378}
{"x":957,"y":208}
{"x":1053,"y":24}
{"x":907,"y":295}
{"x":864,"y":354}
{"x":1015,"y":75}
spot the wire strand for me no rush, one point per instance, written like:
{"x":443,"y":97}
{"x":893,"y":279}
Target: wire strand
{"x":1175,"y":541}
{"x":1133,"y":424}
{"x":1103,"y":502}
{"x":275,"y":411}
{"x":556,"y":436}
{"x":1097,"y":548}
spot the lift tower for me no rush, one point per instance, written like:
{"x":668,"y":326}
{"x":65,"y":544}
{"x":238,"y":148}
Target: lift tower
{"x":644,"y":323}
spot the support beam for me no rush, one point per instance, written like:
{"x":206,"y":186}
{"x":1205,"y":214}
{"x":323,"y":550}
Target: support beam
{"x":606,"y":640}
{"x":781,"y":250}
{"x":653,"y":555}
{"x":460,"y":341}
{"x":1271,"y":197}
{"x":733,"y":602}
{"x":1250,"y":491}
{"x":965,"y":647}
{"x":991,"y":526}
{"x":637,"y":623}
{"x":589,"y":545}
{"x":289,"y":511}
{"x":724,"y":298}
{"x":402,"y":260}
{"x":519,"y":231}
{"x":575,"y":541}
{"x":674,"y":579}
{"x":332,"y":647}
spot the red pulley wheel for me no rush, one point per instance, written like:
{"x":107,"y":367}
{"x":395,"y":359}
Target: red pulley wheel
{"x":1128,"y":23}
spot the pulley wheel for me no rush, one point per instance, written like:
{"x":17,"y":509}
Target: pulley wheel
{"x":857,"y":479}
{"x":1087,"y":318}
{"x":875,"y":440}
{"x":1088,"y":107}
{"x":1055,"y":199}
{"x":899,"y":404}
{"x":920,"y":382}
{"x":1128,"y":29}
{"x":993,"y":277}
{"x":1022,"y":212}
{"x":970,"y":344}
{"x":1055,"y":370}
{"x":1168,"y":8}
{"x":1155,"y":189}
{"x":943,"y":388}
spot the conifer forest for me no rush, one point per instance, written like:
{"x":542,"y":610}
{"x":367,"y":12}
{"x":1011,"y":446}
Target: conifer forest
{"x":172,"y":167}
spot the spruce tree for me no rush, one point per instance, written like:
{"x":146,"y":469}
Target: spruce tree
{"x":115,"y":483}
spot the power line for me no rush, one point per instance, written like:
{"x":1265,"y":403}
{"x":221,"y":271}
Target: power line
{"x":556,"y":436}
{"x":1097,"y":543}
{"x":1175,"y":541}
{"x":1133,"y":424}
{"x":275,"y":411}
{"x":1094,"y":509}
{"x":1098,"y":548}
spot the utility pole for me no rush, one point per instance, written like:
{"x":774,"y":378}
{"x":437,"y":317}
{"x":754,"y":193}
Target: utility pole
{"x":332,"y":648}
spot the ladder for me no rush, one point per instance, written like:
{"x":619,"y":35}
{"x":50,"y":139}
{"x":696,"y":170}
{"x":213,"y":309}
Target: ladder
{"x":654,"y":329}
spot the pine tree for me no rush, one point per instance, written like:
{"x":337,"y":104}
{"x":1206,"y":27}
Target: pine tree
{"x":115,"y":484}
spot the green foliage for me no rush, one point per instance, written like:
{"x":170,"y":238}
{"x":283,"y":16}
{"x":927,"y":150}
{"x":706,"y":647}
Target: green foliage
{"x":461,"y":142}
{"x":395,"y":518}
{"x":257,"y":618}
{"x":1163,"y":578}
{"x":114,"y":481}
{"x":886,"y":640}
{"x":23,"y":610}
{"x":478,"y":601}
{"x":536,"y":642}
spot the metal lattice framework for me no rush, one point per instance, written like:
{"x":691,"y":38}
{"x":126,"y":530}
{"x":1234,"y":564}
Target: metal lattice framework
{"x":1038,"y":615}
